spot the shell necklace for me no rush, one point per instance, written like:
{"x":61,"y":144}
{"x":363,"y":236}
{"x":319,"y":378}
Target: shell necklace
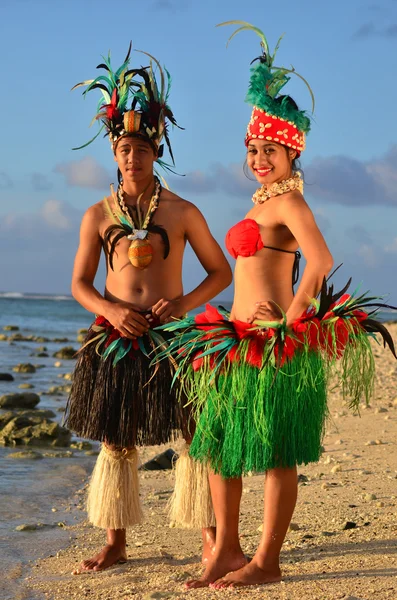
{"x":140,"y":252}
{"x":275,"y":189}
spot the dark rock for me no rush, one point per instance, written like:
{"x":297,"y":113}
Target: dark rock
{"x":42,"y":355}
{"x":6,"y":418}
{"x":25,"y":400}
{"x":26,"y":454}
{"x":61,"y":340}
{"x":24,"y":368}
{"x":302,"y":478}
{"x":66,"y":353}
{"x":10,"y":328}
{"x":161,"y":462}
{"x":349,"y":525}
{"x":6,"y":377}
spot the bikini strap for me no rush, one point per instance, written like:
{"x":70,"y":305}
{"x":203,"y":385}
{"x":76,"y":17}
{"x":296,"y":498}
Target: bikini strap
{"x":295,"y":268}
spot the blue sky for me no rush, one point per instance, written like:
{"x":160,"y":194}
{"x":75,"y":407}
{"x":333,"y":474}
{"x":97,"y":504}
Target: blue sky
{"x":346,"y":50}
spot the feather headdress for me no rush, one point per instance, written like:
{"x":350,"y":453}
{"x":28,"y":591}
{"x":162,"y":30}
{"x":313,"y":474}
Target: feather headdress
{"x":149,"y":111}
{"x":275,"y":117}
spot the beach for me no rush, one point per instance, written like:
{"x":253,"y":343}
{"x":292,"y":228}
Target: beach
{"x":342,"y":542}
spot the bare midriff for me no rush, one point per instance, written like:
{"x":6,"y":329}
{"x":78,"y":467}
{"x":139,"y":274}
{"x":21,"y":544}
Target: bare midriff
{"x":265,"y":276}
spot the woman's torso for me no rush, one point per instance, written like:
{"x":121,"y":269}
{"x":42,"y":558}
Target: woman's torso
{"x":267,"y":275}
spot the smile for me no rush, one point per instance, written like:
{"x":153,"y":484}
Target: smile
{"x":263,"y":172}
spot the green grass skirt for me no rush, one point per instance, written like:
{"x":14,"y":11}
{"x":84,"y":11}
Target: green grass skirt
{"x":255,"y":420}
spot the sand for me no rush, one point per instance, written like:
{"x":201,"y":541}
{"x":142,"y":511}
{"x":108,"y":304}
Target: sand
{"x":355,"y":482}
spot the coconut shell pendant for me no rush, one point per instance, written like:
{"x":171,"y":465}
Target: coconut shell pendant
{"x":140,"y":253}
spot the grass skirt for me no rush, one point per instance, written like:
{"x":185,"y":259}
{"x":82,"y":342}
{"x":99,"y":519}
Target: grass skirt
{"x":117,"y":397}
{"x":259,"y":391}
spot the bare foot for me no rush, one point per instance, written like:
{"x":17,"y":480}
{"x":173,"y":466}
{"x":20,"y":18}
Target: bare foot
{"x":218,"y":567}
{"x":209,"y":538}
{"x":108,"y":556}
{"x":250,"y":574}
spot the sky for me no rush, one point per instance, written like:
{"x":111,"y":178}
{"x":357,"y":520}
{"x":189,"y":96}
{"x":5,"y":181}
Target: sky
{"x":346,"y":50}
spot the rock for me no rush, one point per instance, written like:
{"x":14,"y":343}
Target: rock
{"x":41,"y":355}
{"x":3,"y":337}
{"x":6,"y":377}
{"x":61,"y":340}
{"x":80,"y":338}
{"x":25,"y":400}
{"x":83,"y":330}
{"x":336,"y":469}
{"x":369,"y":497}
{"x":349,"y":525}
{"x":81,"y":445}
{"x":364,"y":472}
{"x":26,"y":527}
{"x":26,"y":454}
{"x":10,"y":328}
{"x":32,"y":431}
{"x":57,"y":364}
{"x":91,"y":452}
{"x":24,"y":368}
{"x":380,"y":504}
{"x":161,"y":462}
{"x":302,"y":478}
{"x":64,"y":454}
{"x":58,"y":390}
{"x":66,"y":353}
{"x":5,"y":418}
{"x":294,"y":527}
{"x":380,"y":410}
{"x":379,"y":442}
{"x":37,"y":413}
{"x":370,"y":443}
{"x":327,"y":533}
{"x":25,"y":386}
{"x":40,"y":339}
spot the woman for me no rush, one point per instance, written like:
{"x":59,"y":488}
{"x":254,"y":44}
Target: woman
{"x":258,"y":380}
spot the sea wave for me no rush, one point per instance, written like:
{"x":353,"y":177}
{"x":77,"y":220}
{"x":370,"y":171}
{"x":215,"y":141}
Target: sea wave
{"x":21,"y":296}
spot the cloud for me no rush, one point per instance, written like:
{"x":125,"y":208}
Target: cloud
{"x":53,"y":219}
{"x":86,"y":172}
{"x":5,"y":181}
{"x":40,"y":182}
{"x":369,"y":30}
{"x":345,"y":180}
{"x":229,"y":179}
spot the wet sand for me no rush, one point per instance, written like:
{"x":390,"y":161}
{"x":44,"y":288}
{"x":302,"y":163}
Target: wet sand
{"x":355,"y":482}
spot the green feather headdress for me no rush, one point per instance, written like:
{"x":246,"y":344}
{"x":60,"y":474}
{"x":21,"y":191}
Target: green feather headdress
{"x":149,"y":110}
{"x":267,"y":81}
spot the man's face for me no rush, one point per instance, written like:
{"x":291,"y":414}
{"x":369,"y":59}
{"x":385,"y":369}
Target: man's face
{"x":135,"y":158}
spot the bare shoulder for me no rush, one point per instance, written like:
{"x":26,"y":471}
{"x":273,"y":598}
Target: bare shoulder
{"x":178,"y":204}
{"x":292,"y":201}
{"x":95,"y":214}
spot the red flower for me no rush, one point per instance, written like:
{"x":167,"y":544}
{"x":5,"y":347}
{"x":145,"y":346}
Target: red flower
{"x":360,"y":315}
{"x":101,"y":321}
{"x":243,"y":329}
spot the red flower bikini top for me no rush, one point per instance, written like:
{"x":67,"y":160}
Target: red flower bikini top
{"x":244,"y":239}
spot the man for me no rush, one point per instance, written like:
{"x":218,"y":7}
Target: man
{"x":117,"y":396}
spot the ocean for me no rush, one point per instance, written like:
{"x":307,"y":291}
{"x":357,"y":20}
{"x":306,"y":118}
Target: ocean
{"x":39,"y":491}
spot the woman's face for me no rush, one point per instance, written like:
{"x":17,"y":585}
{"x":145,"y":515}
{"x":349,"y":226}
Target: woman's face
{"x":135,"y":158}
{"x":269,"y":162}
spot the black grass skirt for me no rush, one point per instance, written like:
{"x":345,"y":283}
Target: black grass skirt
{"x":118,"y":398}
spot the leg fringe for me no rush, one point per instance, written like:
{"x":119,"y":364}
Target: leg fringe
{"x":113,"y":497}
{"x":190,"y":506}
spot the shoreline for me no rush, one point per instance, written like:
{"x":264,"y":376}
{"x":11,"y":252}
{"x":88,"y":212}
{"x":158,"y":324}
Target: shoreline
{"x":343,"y":544}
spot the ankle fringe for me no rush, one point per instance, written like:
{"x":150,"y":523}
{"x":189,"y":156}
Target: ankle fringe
{"x":113,"y":496}
{"x":190,"y":505}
